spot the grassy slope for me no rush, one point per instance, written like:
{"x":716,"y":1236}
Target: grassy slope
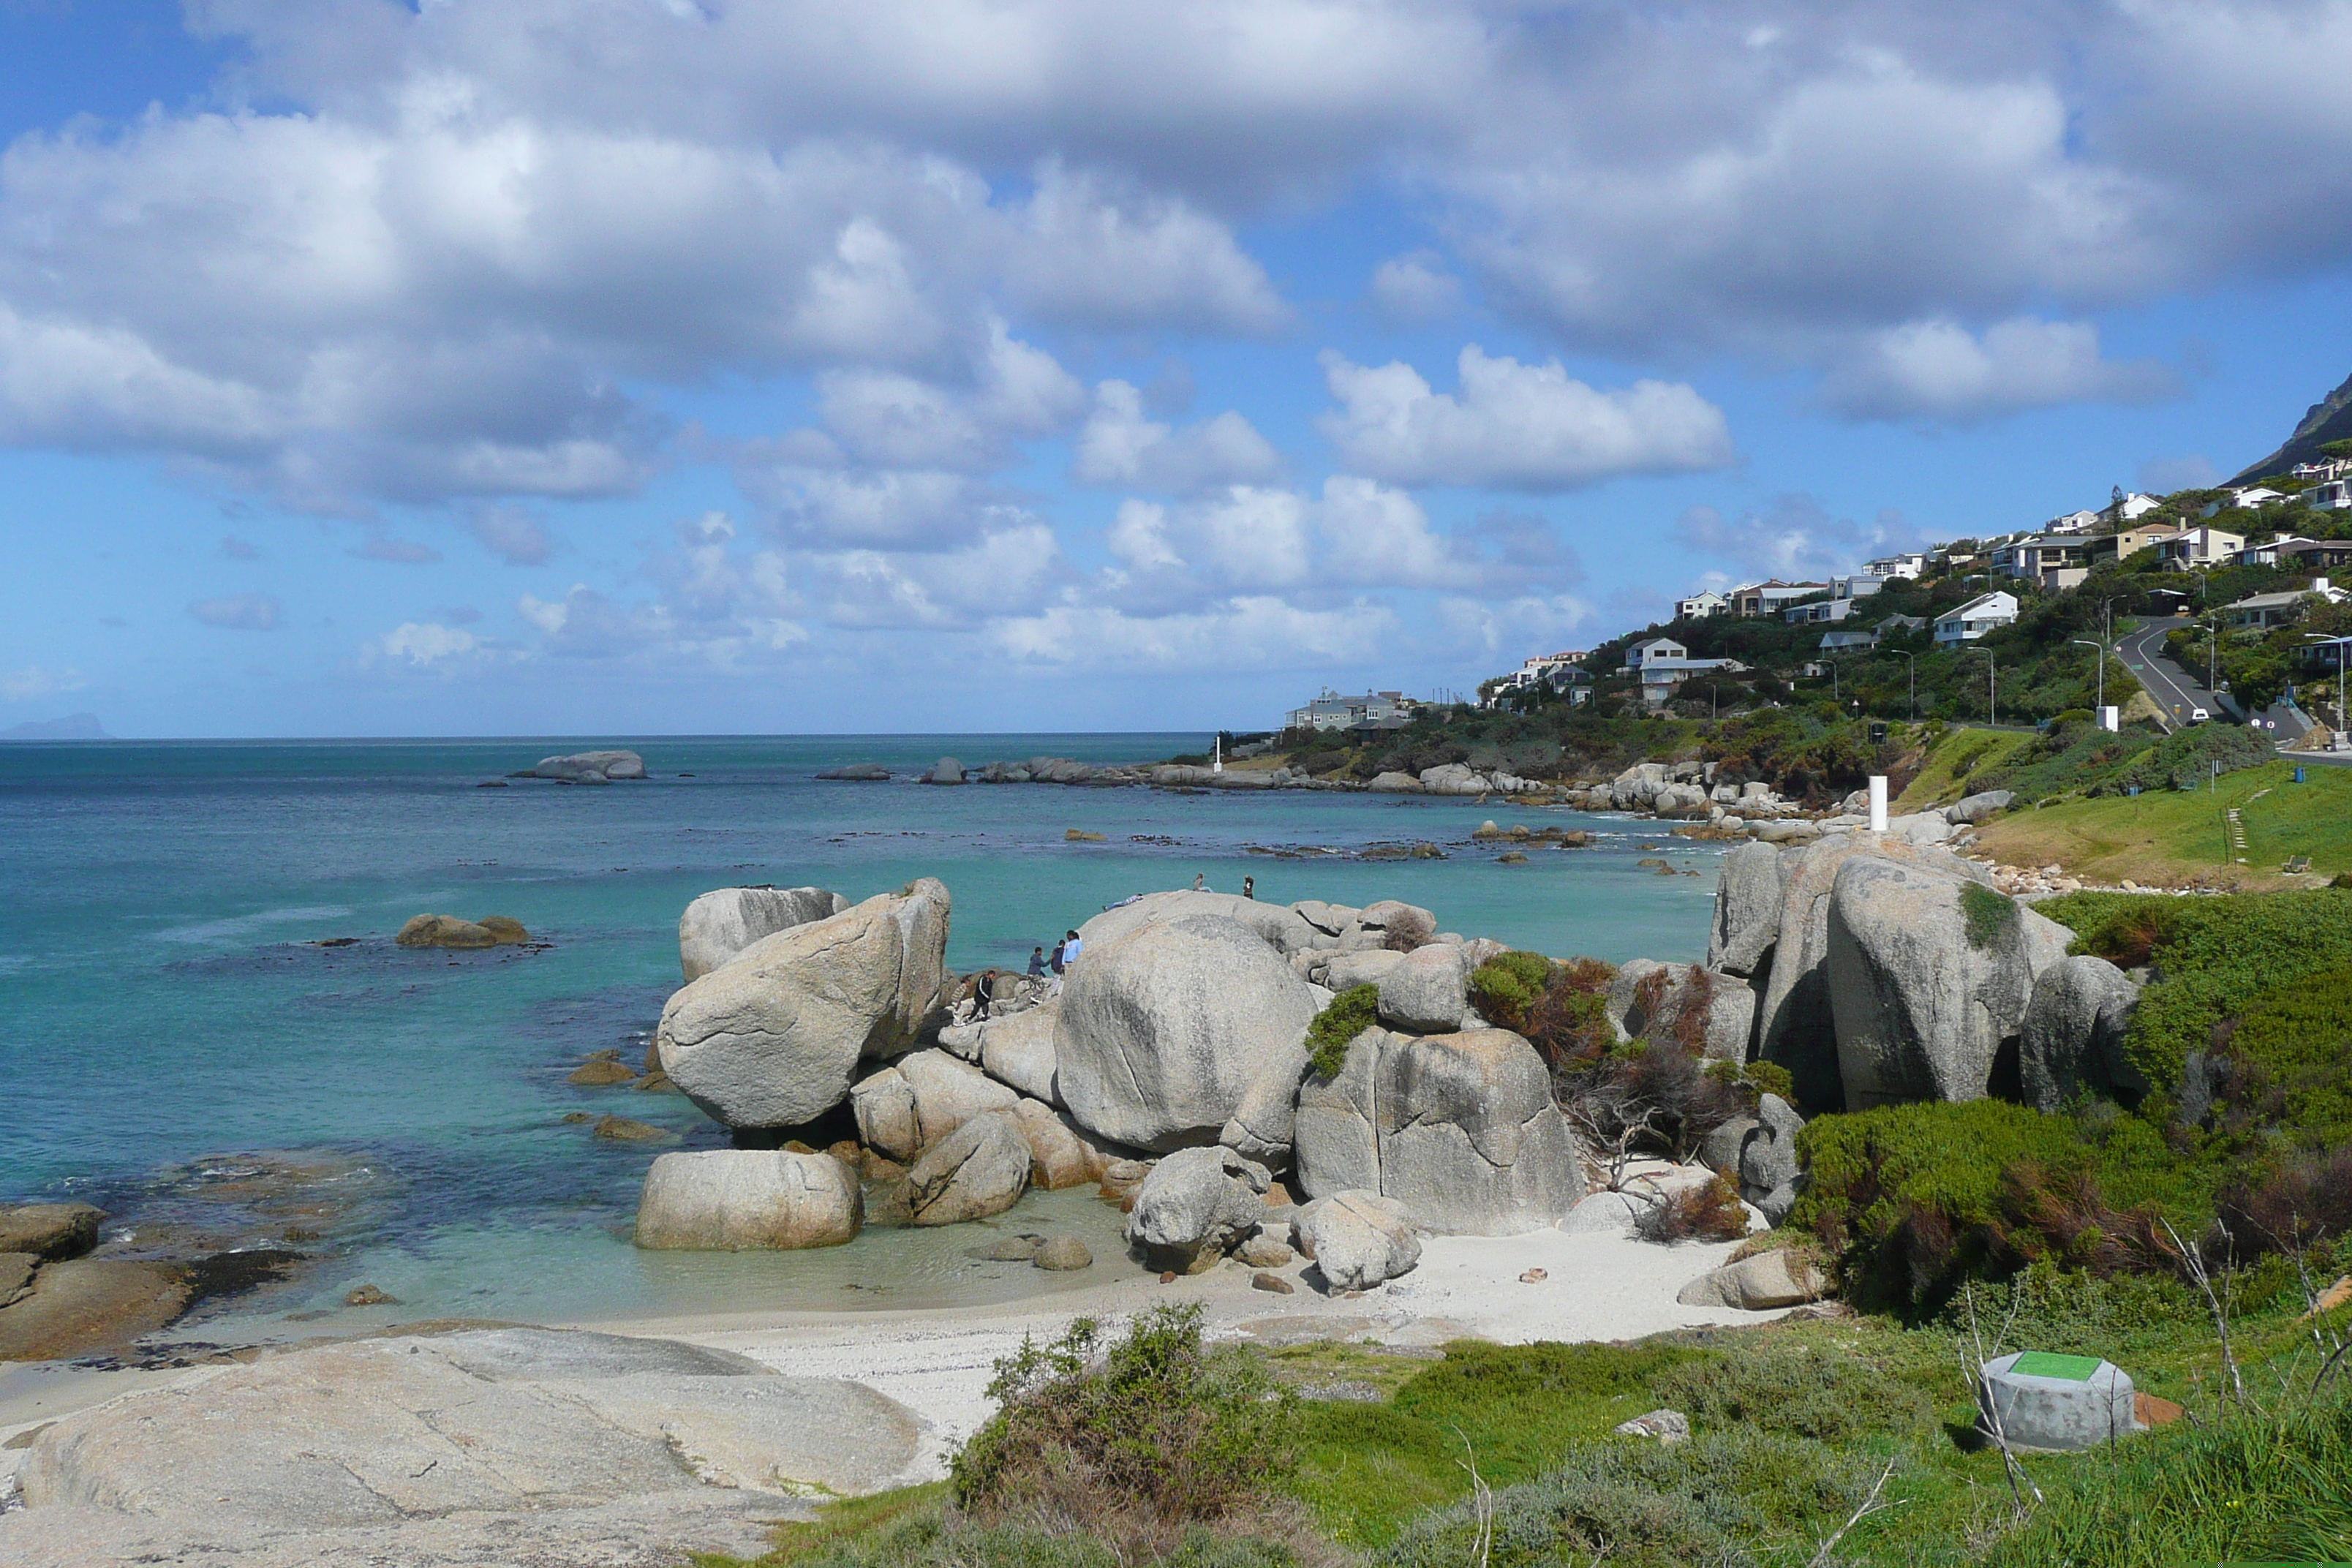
{"x":2170,"y":838}
{"x":1959,"y":755}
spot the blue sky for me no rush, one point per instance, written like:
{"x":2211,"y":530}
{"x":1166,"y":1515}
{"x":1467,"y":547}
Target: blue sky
{"x":639,"y":366}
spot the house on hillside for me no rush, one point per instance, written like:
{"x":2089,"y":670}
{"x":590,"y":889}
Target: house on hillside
{"x":1861,"y":585}
{"x":2124,"y":508}
{"x":2313,"y":554}
{"x":1818,"y":611}
{"x":2054,"y":561}
{"x":2334,"y":496}
{"x":2074,"y":522}
{"x":2125,"y":543}
{"x":1841,"y":642}
{"x":1763,"y":598}
{"x":1702,"y":606}
{"x":1911,"y":564}
{"x":1373,"y":709}
{"x":1554,"y":671}
{"x":1651,"y":650}
{"x":2196,"y":549}
{"x":1973,"y":619}
{"x":2244,"y":501}
{"x":2263,"y":611}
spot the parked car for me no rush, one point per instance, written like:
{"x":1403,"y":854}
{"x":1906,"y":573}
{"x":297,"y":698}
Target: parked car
{"x":2198,"y":715}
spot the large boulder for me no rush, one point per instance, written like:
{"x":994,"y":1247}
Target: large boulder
{"x":1469,"y":1137}
{"x":729,"y":1199}
{"x":1195,"y":1206}
{"x":1746,"y":910}
{"x":1460,"y":1128}
{"x":2073,"y":1034}
{"x":980,"y":1169}
{"x":1456,"y":778}
{"x":1764,"y":1283}
{"x":1638,"y":785}
{"x":1686,"y":1004}
{"x":445,"y":930}
{"x":1261,"y":1126}
{"x":774,"y":1039}
{"x":590,"y":767}
{"x":1059,"y":1154}
{"x":1395,"y":784}
{"x":1426,"y":991}
{"x":1358,"y":1239}
{"x":1164,"y":1030}
{"x":2043,"y":1404}
{"x":1767,"y":1161}
{"x":883,"y":1104}
{"x":1794,"y":1023}
{"x":49,"y":1230}
{"x":1925,"y":988}
{"x":720,"y":924}
{"x":947,"y":1093}
{"x":1344,"y":970}
{"x":1018,"y":1050}
{"x":1975,"y":808}
{"x":1280,"y":927}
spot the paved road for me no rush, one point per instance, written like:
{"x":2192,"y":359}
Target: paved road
{"x":2171,"y":687}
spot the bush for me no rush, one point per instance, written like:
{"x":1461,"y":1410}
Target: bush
{"x":2301,"y":1204}
{"x":1158,"y":1437}
{"x":2218,"y":956}
{"x":1335,"y":1028}
{"x":1990,"y":916}
{"x":934,"y":1538}
{"x":1504,"y":988}
{"x":1770,"y":1077}
{"x":1915,"y":1198}
{"x":1800,"y":1391}
{"x":1721,"y":1498}
{"x":2293,"y":1048}
{"x":1709,"y":1211}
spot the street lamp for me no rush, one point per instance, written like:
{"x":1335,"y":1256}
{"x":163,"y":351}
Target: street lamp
{"x":1913,"y":660}
{"x":1992,"y":686}
{"x":2085,"y":642}
{"x":2339,"y":642}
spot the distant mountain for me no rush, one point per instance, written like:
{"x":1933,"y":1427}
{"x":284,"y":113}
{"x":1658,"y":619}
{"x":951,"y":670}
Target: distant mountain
{"x":2329,"y":420}
{"x":72,"y":727}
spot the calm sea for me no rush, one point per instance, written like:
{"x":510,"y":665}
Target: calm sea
{"x":167,"y":1012}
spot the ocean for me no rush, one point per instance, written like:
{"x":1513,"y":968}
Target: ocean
{"x":180,"y":1052}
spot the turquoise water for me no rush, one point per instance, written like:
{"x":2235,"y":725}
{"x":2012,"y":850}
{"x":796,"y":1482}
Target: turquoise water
{"x":164,"y":1003}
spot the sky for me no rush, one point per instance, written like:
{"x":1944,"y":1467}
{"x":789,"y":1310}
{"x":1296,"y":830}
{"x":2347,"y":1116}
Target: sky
{"x":623,"y":367}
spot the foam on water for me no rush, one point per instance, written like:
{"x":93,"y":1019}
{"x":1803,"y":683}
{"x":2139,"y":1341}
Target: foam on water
{"x":164,"y":1003}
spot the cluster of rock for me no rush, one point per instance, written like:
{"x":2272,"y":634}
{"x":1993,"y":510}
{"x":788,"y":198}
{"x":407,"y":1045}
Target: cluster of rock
{"x":586,"y":768}
{"x":1882,"y":967}
{"x":56,"y":1301}
{"x":1169,"y":1065}
{"x":449,"y":931}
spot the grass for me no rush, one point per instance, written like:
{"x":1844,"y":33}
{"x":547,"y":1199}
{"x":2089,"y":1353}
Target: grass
{"x":1960,"y":755}
{"x":2171,"y":838}
{"x":1336,"y":1027}
{"x":1989,"y":916}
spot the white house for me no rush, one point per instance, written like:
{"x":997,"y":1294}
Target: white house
{"x":2334,"y":496}
{"x":1911,"y":564}
{"x":2267,"y":610}
{"x":1818,"y":611}
{"x":2072,"y":523}
{"x":1654,"y":650}
{"x":1763,"y":598}
{"x":1386,"y":710}
{"x":2132,"y":505}
{"x":1861,"y":585}
{"x":1973,"y":619}
{"x":2244,"y":500}
{"x":1662,"y":673}
{"x":1835,"y":642}
{"x":2037,"y":556}
{"x":1700,"y":606}
{"x":2194,"y":549}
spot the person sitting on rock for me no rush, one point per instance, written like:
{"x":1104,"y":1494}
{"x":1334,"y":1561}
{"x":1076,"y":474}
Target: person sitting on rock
{"x":1249,"y":887}
{"x":1200,"y":881}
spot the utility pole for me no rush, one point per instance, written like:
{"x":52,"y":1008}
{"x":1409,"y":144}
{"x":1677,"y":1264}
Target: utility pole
{"x":2085,"y":642}
{"x":1913,"y":660}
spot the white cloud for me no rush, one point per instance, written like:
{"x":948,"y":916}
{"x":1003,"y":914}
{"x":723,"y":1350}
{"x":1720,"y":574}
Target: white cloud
{"x":510,"y":533}
{"x":1415,"y":288}
{"x":1119,"y":446}
{"x":1137,"y":260}
{"x":1796,"y":539}
{"x":1250,"y":632}
{"x":1506,"y":626}
{"x":1938,"y":371}
{"x":241,"y":612}
{"x":36,"y":681}
{"x":1515,"y":426}
{"x":421,"y":643}
{"x":378,"y":546}
{"x":892,"y":420}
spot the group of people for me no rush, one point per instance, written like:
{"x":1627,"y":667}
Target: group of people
{"x":1065,"y":951}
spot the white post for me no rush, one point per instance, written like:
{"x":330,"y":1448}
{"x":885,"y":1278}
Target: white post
{"x":1217,"y":764}
{"x":1878,"y":802}
{"x":2110,"y":718}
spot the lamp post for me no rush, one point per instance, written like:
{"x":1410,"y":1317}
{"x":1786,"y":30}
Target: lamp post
{"x":1913,"y":660}
{"x":2085,"y":642}
{"x":1992,"y":686}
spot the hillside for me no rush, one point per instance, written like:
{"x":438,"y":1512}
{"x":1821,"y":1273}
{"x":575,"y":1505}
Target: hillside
{"x":2330,"y":419}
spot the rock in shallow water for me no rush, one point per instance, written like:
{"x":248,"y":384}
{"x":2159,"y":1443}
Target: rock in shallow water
{"x":734,"y":1199}
{"x":980,"y":1169}
{"x":49,"y":1230}
{"x":86,"y":1305}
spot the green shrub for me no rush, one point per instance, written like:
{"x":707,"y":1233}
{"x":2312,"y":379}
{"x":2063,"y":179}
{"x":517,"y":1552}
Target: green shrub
{"x":1802,"y":1390}
{"x":1721,"y":1498}
{"x":1770,"y":1077}
{"x":934,"y":1538}
{"x":2217,"y":956}
{"x":2295,"y":1042}
{"x":1990,"y":916}
{"x":1335,"y":1028}
{"x":1504,"y":989}
{"x":1162,"y":1435}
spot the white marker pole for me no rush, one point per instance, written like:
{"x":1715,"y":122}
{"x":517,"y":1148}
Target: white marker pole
{"x":1878,"y":802}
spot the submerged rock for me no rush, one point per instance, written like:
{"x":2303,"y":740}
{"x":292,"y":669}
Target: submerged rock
{"x":445,"y":930}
